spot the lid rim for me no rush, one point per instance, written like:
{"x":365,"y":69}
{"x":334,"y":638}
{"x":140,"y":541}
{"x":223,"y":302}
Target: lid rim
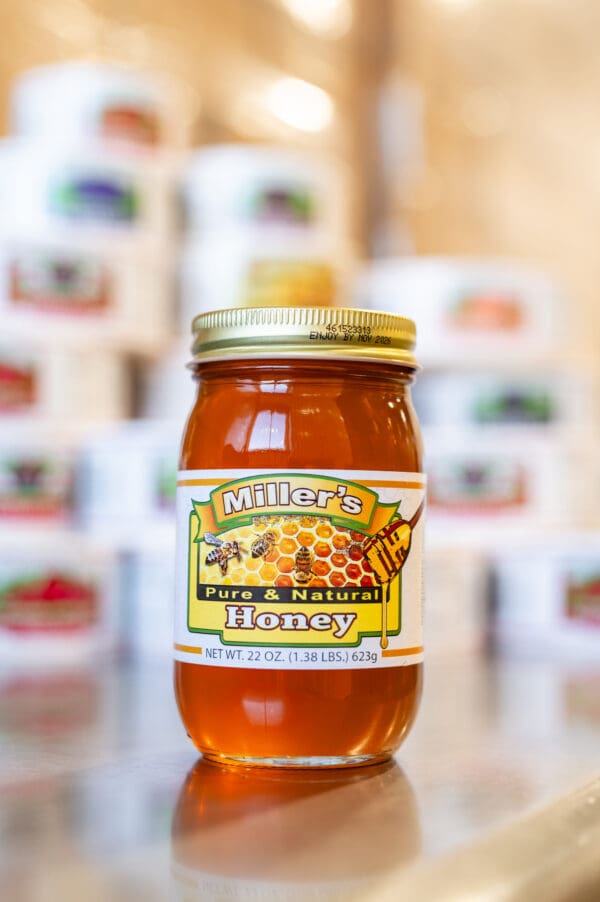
{"x":305,"y":331}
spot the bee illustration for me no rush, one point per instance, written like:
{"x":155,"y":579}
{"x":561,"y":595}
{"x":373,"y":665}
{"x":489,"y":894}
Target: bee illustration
{"x":222,"y":553}
{"x":303,"y":565}
{"x":263,"y":543}
{"x":355,"y":550}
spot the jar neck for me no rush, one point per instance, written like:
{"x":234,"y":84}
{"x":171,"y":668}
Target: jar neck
{"x":304,"y":370}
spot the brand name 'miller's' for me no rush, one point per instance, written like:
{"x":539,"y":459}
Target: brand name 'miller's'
{"x":281,"y":494}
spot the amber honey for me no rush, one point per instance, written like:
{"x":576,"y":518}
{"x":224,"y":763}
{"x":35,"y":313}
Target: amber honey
{"x":299,"y":566}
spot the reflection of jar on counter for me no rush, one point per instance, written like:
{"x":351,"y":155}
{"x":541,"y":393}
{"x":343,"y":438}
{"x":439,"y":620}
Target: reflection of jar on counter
{"x":298,"y":621}
{"x":48,"y":704}
{"x":248,"y":834}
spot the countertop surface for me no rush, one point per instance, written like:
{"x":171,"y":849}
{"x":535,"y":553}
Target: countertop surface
{"x":97,"y":798}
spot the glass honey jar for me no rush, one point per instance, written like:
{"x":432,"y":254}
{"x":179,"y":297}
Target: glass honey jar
{"x":298,"y":621}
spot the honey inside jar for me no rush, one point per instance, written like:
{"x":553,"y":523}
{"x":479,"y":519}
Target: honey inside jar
{"x":317,"y":413}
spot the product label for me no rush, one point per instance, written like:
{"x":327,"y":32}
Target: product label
{"x":283,"y":205}
{"x":47,"y":602}
{"x":33,"y":486}
{"x":60,"y":284}
{"x":95,"y":198}
{"x":189,"y":884}
{"x":514,"y":404}
{"x":18,"y":386}
{"x":582,"y":595}
{"x":487,"y":312}
{"x":299,"y":570}
{"x":488,"y":484}
{"x":289,"y":282}
{"x":125,"y":122}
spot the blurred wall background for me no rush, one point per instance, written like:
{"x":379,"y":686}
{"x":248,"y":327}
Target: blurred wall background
{"x":511,"y":135}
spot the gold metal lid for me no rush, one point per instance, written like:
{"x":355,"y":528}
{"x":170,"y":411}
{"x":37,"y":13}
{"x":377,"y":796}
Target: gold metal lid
{"x":310,"y":332}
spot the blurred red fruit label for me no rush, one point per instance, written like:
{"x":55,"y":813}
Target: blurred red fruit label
{"x":48,"y":603}
{"x":582,"y":599}
{"x":18,"y":386}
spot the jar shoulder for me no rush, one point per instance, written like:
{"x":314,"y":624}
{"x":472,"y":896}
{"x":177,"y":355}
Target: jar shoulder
{"x":357,"y":424}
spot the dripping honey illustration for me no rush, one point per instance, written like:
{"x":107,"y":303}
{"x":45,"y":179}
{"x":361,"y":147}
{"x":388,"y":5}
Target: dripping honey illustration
{"x":386,"y":553}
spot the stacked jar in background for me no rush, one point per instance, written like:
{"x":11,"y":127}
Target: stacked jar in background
{"x":265,"y":226}
{"x":507,"y":416}
{"x":87,"y":254}
{"x":94,"y":389}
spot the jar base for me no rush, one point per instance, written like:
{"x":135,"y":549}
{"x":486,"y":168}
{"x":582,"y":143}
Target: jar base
{"x":307,"y":762}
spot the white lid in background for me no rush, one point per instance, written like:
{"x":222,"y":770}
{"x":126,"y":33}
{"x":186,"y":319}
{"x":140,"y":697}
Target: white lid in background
{"x":427,"y":274}
{"x":139,"y":250}
{"x":68,"y":99}
{"x":226,"y":246}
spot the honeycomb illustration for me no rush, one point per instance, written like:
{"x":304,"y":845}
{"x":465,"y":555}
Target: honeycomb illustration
{"x":298,"y":551}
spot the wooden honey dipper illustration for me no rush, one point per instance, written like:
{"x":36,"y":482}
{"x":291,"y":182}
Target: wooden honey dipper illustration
{"x":386,"y":553}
